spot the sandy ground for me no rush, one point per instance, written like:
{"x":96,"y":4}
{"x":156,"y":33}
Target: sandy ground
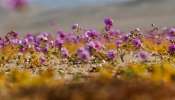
{"x":126,"y":16}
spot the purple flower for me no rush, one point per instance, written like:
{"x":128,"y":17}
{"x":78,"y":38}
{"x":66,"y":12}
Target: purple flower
{"x":30,"y":37}
{"x":11,"y":35}
{"x":83,"y":54}
{"x":45,"y":49}
{"x":91,"y":33}
{"x":61,"y":35}
{"x":59,"y":43}
{"x":64,"y":52}
{"x":171,"y":32}
{"x":108,"y":21}
{"x":1,"y":43}
{"x":136,"y":42}
{"x":72,"y":38}
{"x":14,"y":41}
{"x":111,"y":55}
{"x":114,"y":32}
{"x":143,"y":55}
{"x":23,"y":42}
{"x":43,"y":36}
{"x":22,"y":49}
{"x":38,"y":49}
{"x":40,"y":38}
{"x":170,"y":38}
{"x":171,"y":49}
{"x":95,"y":45}
{"x":98,"y":45}
{"x":118,"y":43}
{"x":90,"y":47}
{"x":125,"y":37}
{"x":36,"y":44}
{"x":91,"y":44}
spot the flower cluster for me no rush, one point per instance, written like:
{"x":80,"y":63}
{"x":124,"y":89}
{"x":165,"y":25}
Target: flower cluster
{"x":90,"y":44}
{"x":44,"y":58}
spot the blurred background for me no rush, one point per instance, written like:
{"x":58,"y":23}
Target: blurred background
{"x":52,"y":15}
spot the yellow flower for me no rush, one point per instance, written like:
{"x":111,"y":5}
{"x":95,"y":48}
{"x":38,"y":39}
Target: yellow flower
{"x":2,"y":80}
{"x":157,"y":72}
{"x":139,"y":69}
{"x":106,"y":72}
{"x":168,"y":71}
{"x":158,"y":48}
{"x":73,"y":47}
{"x":110,"y":45}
